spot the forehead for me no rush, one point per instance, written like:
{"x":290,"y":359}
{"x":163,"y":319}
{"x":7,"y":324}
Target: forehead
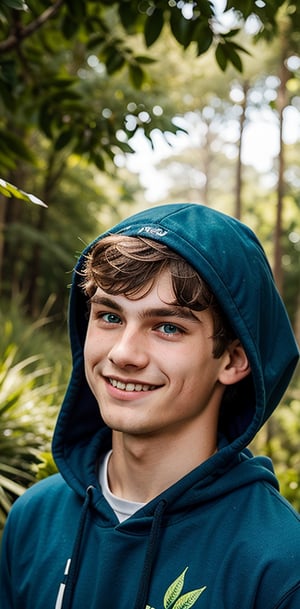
{"x":157,"y":302}
{"x":159,"y":288}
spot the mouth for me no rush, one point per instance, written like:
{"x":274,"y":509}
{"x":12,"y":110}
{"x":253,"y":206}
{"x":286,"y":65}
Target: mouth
{"x":138,"y":387}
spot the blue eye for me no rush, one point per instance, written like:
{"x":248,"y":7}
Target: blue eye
{"x":170,"y":329}
{"x":110,"y":318}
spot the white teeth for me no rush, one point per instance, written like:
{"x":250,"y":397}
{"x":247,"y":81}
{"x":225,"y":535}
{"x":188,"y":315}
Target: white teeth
{"x":131,"y":386}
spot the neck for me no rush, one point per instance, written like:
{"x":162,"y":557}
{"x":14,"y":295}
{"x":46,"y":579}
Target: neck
{"x":140,"y":469}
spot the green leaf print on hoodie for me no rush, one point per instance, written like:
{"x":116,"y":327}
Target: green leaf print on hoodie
{"x":173,"y":598}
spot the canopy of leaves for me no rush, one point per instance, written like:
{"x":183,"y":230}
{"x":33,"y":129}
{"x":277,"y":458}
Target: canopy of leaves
{"x":44,"y":50}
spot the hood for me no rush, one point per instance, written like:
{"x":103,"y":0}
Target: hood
{"x":227,"y":254}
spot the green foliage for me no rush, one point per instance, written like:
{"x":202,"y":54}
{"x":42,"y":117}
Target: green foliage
{"x":284,"y":447}
{"x":49,"y":89}
{"x":31,"y":389}
{"x":229,"y":52}
{"x":44,"y":54}
{"x":25,"y":407}
{"x":18,"y":5}
{"x":279,"y":439}
{"x":153,"y":26}
{"x":41,"y":246}
{"x":45,"y":467}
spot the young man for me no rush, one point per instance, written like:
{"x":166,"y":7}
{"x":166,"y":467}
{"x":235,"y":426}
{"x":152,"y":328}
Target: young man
{"x":182,"y":350}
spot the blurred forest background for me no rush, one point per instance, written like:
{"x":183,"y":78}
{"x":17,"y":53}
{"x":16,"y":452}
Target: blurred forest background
{"x":108,"y":107}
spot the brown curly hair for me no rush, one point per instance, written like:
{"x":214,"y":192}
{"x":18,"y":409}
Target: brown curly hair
{"x":130,"y":265}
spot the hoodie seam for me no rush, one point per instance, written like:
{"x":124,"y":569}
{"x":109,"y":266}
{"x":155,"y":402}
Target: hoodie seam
{"x":286,"y":596}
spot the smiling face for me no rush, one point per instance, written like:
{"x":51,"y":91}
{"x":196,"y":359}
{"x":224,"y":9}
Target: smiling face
{"x":150,"y":363}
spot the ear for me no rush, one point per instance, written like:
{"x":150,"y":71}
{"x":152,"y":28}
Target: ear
{"x":236,"y":364}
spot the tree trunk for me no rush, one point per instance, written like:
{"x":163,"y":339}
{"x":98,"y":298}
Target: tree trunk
{"x":35,"y":268}
{"x":2,"y":228}
{"x":239,"y":169}
{"x":55,"y":169}
{"x":11,"y":244}
{"x":207,"y":161}
{"x":282,"y":103}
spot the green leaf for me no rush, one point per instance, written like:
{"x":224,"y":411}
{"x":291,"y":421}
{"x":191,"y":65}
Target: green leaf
{"x":69,"y":27}
{"x":95,"y":41}
{"x":153,"y":26}
{"x":182,"y":29}
{"x":236,"y":61}
{"x":77,"y":9}
{"x":114,"y":62}
{"x":221,"y":58}
{"x":98,"y":160}
{"x":63,"y":139}
{"x":204,"y":39}
{"x":128,"y":15}
{"x":8,"y":469}
{"x":46,"y":466}
{"x":136,"y":75}
{"x":206,"y":8}
{"x":125,"y":147}
{"x":188,"y":600}
{"x":11,"y":486}
{"x":232,"y":33}
{"x":10,"y":190}
{"x":233,"y":56}
{"x":144,"y":59}
{"x":236,"y":46}
{"x":45,"y":121}
{"x":174,"y":590}
{"x":18,"y":5}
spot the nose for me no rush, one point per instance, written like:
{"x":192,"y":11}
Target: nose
{"x":129,"y":350}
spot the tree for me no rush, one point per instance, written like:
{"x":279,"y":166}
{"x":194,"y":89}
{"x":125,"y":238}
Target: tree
{"x":44,"y":49}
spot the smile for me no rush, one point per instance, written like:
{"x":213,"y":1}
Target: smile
{"x":131,"y":386}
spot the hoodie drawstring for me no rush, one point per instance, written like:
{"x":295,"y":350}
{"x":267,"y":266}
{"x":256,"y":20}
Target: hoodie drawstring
{"x":142,"y":595}
{"x":66,"y":589}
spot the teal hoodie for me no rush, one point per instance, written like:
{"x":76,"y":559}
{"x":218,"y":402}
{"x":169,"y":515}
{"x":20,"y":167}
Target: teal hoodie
{"x":222,"y":537}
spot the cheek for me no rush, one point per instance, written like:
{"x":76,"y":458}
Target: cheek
{"x":193,"y":378}
{"x":87,"y":350}
{"x":91,"y":353}
{"x":92,"y":343}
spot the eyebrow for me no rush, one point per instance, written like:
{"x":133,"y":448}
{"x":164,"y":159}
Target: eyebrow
{"x":172,"y":310}
{"x":106,"y":302}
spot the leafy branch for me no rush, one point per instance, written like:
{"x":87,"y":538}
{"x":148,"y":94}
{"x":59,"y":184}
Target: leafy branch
{"x":14,"y":39}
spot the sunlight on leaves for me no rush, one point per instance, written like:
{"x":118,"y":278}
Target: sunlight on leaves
{"x":9,"y":190}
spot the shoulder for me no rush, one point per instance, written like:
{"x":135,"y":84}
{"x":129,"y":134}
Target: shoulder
{"x":272,"y":521}
{"x":39,"y":499}
{"x":279,"y":527}
{"x":273,"y":545}
{"x":265,"y":528}
{"x":42,"y":489}
{"x":39,"y":513}
{"x":280,"y":516}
